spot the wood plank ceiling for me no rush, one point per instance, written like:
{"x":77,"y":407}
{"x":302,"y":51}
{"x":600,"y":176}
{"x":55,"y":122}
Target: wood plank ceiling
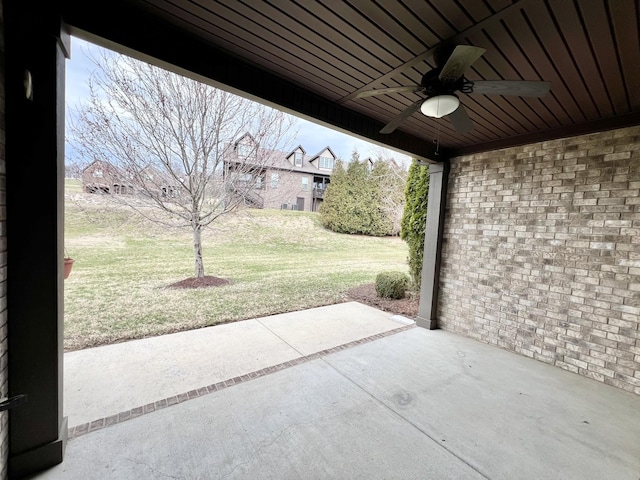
{"x":589,"y":50}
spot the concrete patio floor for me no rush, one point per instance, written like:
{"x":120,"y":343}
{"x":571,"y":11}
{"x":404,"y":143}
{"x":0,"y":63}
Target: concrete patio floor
{"x":339,"y":392}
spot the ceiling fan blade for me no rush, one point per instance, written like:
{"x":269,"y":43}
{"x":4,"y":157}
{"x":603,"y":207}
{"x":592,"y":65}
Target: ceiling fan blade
{"x":460,"y":120}
{"x":461,"y":59}
{"x":384,"y":91}
{"x":406,"y":113}
{"x":522,"y":88}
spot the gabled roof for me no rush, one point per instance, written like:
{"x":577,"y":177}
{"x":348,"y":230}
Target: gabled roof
{"x":307,"y":166}
{"x":280,"y":160}
{"x":299,"y":147}
{"x":94,"y":163}
{"x":246,"y":136}
{"x":322,"y":151}
{"x":112,"y":169}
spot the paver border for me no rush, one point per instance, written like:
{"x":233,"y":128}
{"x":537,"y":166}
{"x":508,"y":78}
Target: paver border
{"x":99,"y":424}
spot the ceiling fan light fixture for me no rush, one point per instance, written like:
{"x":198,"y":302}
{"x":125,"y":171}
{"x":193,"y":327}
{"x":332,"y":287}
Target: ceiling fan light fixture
{"x":440,"y":105}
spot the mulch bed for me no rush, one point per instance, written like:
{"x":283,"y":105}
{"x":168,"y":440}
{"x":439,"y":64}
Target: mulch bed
{"x":202,"y":282}
{"x":407,"y":307}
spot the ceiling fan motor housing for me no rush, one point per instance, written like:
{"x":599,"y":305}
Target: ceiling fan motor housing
{"x":434,"y":86}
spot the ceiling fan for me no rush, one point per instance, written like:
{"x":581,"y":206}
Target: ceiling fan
{"x":441,"y":84}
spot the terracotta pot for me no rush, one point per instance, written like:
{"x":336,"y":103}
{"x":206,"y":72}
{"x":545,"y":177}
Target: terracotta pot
{"x":68,"y":263}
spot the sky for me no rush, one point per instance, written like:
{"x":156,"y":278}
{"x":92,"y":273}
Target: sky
{"x":312,"y":137}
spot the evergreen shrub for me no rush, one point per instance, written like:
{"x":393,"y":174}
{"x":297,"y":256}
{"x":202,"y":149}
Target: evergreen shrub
{"x":414,"y":218}
{"x":392,"y":284}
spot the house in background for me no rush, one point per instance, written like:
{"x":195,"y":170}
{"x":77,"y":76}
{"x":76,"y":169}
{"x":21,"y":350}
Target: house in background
{"x":103,"y":177}
{"x":291,"y":181}
{"x":265,"y":178}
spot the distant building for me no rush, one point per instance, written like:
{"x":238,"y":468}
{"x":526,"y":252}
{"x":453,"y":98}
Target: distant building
{"x":103,"y":177}
{"x":291,"y":181}
{"x":282,"y":180}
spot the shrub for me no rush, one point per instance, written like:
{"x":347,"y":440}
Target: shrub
{"x":391,"y":284}
{"x":414,"y":218}
{"x":363,"y":200}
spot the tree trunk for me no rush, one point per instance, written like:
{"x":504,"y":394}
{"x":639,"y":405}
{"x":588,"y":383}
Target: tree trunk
{"x":197,"y":250}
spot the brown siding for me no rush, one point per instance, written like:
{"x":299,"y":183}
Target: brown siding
{"x":4,"y":376}
{"x":109,"y":177}
{"x":541,"y":253}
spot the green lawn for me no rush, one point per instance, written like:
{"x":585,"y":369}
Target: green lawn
{"x":73,"y":185}
{"x":277,"y":261}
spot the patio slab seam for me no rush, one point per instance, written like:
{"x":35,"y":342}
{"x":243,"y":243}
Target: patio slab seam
{"x":83,"y":429}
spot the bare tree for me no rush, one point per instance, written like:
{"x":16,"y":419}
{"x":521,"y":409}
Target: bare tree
{"x":73,"y":169}
{"x":173,"y":141}
{"x":402,"y":162}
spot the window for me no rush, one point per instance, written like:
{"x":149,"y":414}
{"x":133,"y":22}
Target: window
{"x":274,"y":180}
{"x":298,"y":159}
{"x":305,"y":183}
{"x":98,"y":174}
{"x":326,"y":162}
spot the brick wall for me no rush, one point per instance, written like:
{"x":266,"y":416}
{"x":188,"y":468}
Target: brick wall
{"x":541,"y":253}
{"x":4,"y":378}
{"x":288,"y":190}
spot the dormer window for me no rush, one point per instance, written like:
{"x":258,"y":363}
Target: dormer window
{"x":298,"y":159}
{"x":243,"y":150}
{"x":326,"y":162}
